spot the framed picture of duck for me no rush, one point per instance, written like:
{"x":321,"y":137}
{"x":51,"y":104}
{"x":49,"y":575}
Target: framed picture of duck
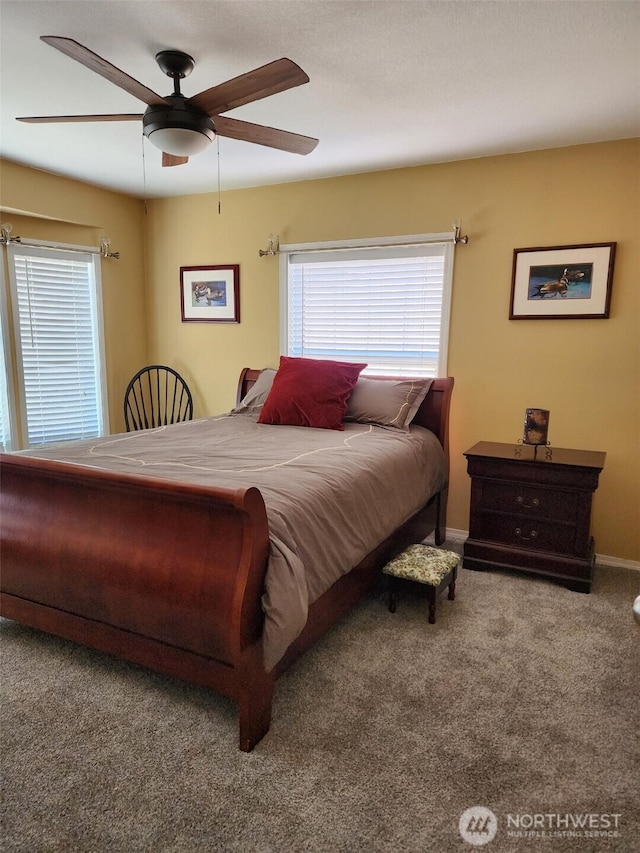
{"x":562,"y":282}
{"x":210,"y":294}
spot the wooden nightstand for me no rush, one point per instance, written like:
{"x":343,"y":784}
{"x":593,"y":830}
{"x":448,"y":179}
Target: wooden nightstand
{"x":531,"y":510}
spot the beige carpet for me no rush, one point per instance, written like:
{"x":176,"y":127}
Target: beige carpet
{"x":522,"y":698}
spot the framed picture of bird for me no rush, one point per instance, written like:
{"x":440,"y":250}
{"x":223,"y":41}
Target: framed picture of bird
{"x":210,"y":294}
{"x":562,"y":282}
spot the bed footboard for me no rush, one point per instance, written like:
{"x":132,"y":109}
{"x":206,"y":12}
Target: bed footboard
{"x":159,"y":573}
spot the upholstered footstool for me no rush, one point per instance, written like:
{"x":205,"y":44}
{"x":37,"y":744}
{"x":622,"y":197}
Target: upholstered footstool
{"x":435,"y":568}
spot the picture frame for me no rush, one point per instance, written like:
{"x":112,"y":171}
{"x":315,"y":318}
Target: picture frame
{"x":562,"y":282}
{"x":210,"y":294}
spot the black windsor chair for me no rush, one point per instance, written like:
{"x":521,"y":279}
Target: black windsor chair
{"x":156,"y":396}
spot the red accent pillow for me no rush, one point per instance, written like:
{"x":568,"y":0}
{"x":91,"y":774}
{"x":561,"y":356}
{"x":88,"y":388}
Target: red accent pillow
{"x":310,"y":392}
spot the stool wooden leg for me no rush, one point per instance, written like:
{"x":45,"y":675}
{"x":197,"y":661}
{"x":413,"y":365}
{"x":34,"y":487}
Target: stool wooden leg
{"x":431,"y":596}
{"x":392,"y":595}
{"x":452,"y":591}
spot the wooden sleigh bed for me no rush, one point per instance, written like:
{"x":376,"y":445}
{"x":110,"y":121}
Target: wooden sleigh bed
{"x":168,"y":574}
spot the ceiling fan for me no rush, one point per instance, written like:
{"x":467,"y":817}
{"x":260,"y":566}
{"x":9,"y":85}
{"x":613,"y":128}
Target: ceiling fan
{"x":181,"y":127}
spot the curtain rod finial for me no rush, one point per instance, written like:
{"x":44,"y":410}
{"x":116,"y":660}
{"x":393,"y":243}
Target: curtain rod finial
{"x":5,"y":234}
{"x":273,"y":248}
{"x":456,"y":234}
{"x":104,"y":250}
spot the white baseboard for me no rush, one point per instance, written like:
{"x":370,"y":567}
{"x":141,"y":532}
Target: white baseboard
{"x":458,"y":536}
{"x":618,"y":562}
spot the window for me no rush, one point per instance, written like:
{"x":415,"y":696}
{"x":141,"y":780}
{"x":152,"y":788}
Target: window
{"x":57,"y":329}
{"x":386,"y":304}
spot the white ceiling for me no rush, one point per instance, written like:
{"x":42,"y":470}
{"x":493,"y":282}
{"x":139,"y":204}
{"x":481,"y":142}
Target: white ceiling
{"x":392,"y":83}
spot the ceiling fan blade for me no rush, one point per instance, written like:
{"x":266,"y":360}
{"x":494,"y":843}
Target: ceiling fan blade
{"x":173,"y":159}
{"x":277,"y":76}
{"x":51,"y":119}
{"x":96,"y":63}
{"x":263,"y":135}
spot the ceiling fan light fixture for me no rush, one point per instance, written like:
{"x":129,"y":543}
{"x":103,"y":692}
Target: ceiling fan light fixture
{"x":178,"y":129}
{"x":179,"y":141}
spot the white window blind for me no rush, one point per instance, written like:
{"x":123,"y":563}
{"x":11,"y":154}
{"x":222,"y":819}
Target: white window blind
{"x":58,"y":343}
{"x":387,"y":306}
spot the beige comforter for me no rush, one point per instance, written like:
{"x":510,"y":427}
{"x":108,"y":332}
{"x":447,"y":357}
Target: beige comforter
{"x":331,"y":496}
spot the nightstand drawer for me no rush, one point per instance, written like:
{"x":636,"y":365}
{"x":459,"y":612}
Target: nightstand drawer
{"x":531,"y":533}
{"x":529,"y":500}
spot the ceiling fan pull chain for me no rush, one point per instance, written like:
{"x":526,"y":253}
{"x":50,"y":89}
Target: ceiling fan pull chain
{"x":219,"y":200}
{"x":144,"y":176}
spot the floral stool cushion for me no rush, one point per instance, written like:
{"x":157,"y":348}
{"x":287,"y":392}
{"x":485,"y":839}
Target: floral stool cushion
{"x":436,"y":568}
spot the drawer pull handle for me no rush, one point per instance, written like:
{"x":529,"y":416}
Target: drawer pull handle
{"x":534,"y":503}
{"x":532,"y":535}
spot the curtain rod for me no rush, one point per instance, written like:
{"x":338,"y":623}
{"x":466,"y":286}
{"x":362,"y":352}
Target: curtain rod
{"x":284,"y":249}
{"x":7,"y":239}
{"x":274,"y":247}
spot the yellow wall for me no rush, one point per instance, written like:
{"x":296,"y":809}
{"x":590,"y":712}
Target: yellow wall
{"x":58,"y":209}
{"x":585,"y":371}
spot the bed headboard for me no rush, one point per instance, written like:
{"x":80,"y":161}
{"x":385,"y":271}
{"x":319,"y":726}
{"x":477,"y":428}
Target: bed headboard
{"x":432,"y":414}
